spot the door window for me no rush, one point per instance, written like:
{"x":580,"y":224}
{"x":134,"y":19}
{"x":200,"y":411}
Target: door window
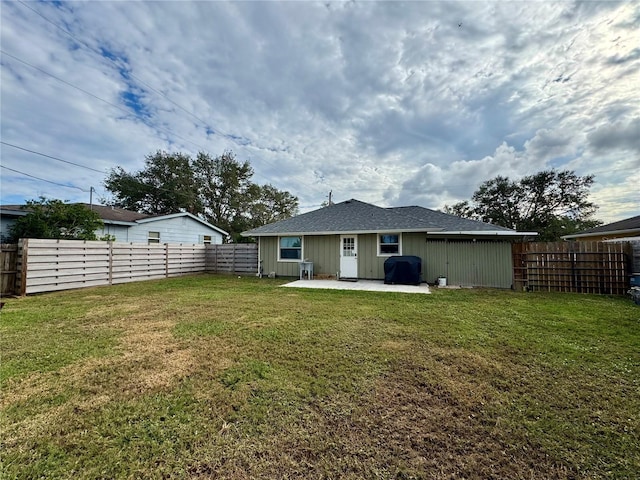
{"x":348,"y":247}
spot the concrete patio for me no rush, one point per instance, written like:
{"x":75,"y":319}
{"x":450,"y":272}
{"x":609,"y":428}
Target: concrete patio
{"x":363,"y":285}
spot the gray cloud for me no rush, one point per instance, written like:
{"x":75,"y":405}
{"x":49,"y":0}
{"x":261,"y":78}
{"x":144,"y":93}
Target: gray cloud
{"x":391,"y":102}
{"x":619,"y":136}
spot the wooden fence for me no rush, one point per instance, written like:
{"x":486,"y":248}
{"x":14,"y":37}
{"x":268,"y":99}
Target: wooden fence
{"x":8,"y":268}
{"x":582,"y":267}
{"x":232,"y":258}
{"x":49,"y":265}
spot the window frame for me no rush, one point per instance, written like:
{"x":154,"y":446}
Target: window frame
{"x":152,"y":240}
{"x":380,"y":243}
{"x":292,"y":260}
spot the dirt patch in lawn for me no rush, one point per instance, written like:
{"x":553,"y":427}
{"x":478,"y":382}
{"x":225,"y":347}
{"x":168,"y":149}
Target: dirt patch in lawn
{"x":148,"y":358}
{"x":409,"y":425}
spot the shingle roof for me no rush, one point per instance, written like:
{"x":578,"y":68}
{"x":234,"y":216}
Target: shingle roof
{"x":106,"y":213}
{"x":354,"y":216}
{"x":449,"y":223}
{"x":117,"y":214}
{"x":632,"y":223}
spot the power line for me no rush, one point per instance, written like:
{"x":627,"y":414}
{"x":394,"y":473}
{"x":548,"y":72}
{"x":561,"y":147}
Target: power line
{"x":43,"y":179}
{"x":169,"y":132}
{"x":51,"y":157}
{"x":227,"y":135}
{"x":97,"y":97}
{"x":135,"y":77}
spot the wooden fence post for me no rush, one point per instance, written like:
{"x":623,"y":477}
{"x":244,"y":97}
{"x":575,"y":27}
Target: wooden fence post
{"x":110,"y":273}
{"x":24,"y":257}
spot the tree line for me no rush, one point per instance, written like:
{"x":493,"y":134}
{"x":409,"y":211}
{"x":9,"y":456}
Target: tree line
{"x":551,"y":203}
{"x":218,"y":189}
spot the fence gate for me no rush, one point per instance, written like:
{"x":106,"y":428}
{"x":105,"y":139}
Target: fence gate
{"x":582,"y":267}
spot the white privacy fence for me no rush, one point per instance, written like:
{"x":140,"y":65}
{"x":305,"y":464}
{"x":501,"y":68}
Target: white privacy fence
{"x":49,"y":265}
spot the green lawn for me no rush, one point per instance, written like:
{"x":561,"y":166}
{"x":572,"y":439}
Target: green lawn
{"x":235,"y":378}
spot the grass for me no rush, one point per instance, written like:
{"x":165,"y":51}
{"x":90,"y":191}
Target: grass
{"x":233,"y":378}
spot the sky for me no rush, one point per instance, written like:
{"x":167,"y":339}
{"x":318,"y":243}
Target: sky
{"x":392,"y":103}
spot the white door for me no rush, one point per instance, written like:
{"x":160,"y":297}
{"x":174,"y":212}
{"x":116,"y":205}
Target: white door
{"x":348,"y":256}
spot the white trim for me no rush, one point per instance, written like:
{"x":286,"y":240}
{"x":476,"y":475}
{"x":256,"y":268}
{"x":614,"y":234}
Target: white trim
{"x":430,"y":231}
{"x":343,"y":232}
{"x":18,"y":213}
{"x":291,"y":260}
{"x":488,"y":233}
{"x":599,"y":234}
{"x":182,"y":214}
{"x":379,"y":253}
{"x":153,"y":240}
{"x":118,"y":222}
{"x":350,"y":260}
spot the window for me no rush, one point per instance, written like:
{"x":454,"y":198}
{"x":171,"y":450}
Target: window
{"x":389,"y":244}
{"x":154,"y":237}
{"x":206,"y":239}
{"x":290,"y":249}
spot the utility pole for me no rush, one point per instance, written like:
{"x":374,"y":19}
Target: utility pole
{"x":91,"y":189}
{"x":330,"y":201}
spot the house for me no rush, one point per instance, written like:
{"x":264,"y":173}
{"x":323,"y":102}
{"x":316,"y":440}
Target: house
{"x":353,"y":239}
{"x":133,"y":227}
{"x":627,"y":230}
{"x":629,"y":227}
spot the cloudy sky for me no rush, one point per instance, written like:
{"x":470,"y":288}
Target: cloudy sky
{"x":391,"y":103}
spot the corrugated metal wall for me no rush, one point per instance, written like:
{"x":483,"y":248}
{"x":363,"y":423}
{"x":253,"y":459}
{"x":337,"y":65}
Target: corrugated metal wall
{"x":468,"y":263}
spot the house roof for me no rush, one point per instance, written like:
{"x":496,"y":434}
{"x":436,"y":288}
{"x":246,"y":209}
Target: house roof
{"x":354,"y":216}
{"x":449,"y":223}
{"x":155,"y":218}
{"x":107,"y":214}
{"x":117,"y":216}
{"x":628,"y":225}
{"x":114,"y":214}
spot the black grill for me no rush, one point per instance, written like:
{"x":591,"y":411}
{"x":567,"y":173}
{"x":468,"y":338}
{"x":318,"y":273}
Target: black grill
{"x":404,"y":270}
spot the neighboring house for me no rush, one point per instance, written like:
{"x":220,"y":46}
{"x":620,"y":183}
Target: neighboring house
{"x":353,"y":239}
{"x":627,"y":230}
{"x":132,"y":227}
{"x":629,"y":227}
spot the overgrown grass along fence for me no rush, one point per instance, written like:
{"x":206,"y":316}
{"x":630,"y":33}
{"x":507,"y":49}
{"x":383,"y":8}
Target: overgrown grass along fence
{"x":49,"y":265}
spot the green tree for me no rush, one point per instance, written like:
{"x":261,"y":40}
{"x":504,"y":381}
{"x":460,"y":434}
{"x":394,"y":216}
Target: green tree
{"x":218,"y":189}
{"x":550,"y":202}
{"x":265,"y":204}
{"x":165,"y":185}
{"x":225,"y":188}
{"x":50,"y":218}
{"x":272,"y":205}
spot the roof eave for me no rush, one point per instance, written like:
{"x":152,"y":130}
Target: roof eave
{"x":182,"y":214}
{"x":598,"y":234}
{"x":17,"y":213}
{"x":118,"y":222}
{"x":488,"y":233}
{"x":249,"y":233}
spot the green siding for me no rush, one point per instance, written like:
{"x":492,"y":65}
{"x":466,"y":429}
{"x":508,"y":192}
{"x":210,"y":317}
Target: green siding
{"x":322,"y":250}
{"x":463,"y":262}
{"x":370,"y":266}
